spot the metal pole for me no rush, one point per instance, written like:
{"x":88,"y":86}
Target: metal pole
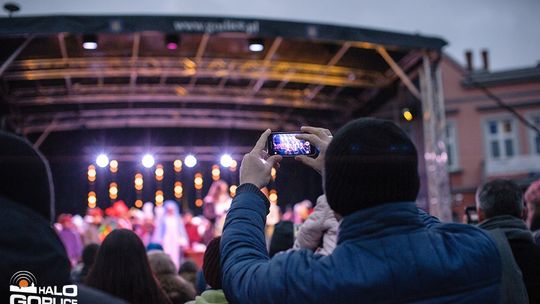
{"x":436,"y":158}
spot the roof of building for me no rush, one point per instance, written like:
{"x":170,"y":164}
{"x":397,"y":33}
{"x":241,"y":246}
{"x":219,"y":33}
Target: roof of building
{"x":512,"y":76}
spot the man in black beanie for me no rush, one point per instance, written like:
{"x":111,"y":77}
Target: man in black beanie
{"x":388,"y":250}
{"x":370,"y":162}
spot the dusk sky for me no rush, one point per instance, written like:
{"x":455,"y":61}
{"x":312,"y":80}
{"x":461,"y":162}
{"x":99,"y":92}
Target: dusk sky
{"x":510,"y":30}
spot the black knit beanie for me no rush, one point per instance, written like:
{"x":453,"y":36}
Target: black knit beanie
{"x":370,"y":162}
{"x":211,"y":264}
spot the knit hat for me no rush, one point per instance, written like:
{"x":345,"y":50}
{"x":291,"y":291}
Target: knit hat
{"x":211,"y":264}
{"x":282,"y":238}
{"x":370,"y":162}
{"x":532,"y":195}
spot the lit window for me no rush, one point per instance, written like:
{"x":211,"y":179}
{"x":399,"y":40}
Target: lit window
{"x":534,"y":136}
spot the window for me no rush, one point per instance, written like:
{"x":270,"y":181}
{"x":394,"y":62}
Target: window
{"x":535,"y":137}
{"x":451,"y":146}
{"x":501,"y":139}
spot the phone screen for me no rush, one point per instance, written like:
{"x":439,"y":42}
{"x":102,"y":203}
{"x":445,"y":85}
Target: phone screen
{"x":286,"y":144}
{"x":472,"y":215}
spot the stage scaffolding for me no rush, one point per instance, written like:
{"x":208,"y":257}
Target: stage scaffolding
{"x":308,"y":73}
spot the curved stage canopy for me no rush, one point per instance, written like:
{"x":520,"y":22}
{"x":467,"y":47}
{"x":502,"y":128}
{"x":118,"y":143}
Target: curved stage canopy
{"x":175,"y":84}
{"x":306,"y":74}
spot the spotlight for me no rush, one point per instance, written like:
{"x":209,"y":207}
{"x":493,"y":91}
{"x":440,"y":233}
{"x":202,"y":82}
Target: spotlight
{"x":159,"y":198}
{"x":148,"y":161}
{"x":178,"y":189}
{"x":198,"y":181}
{"x":198,"y":202}
{"x":113,"y":166}
{"x":226,"y":160}
{"x":102,"y":160}
{"x":232,"y":190}
{"x":190,"y":161}
{"x":90,"y":42}
{"x":91,"y":173}
{"x":256,"y":45}
{"x":138,"y":182}
{"x":177,"y":165}
{"x":159,"y":172}
{"x":407,"y":114}
{"x":92,"y":199}
{"x":113,"y":190}
{"x":172,"y":41}
{"x":273,"y":173}
{"x":273,"y":196}
{"x":215,"y":172}
{"x":139,"y":203}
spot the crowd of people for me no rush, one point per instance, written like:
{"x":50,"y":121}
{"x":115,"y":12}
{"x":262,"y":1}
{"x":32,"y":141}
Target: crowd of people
{"x":364,"y":241}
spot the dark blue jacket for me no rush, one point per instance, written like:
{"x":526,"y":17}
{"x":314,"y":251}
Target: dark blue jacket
{"x":393,"y":253}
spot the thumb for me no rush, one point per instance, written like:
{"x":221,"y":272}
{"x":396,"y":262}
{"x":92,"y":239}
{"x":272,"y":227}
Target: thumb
{"x":272,"y":160}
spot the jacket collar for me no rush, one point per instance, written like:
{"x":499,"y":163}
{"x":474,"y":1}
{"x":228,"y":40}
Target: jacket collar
{"x":379,"y":221}
{"x":514,"y":228}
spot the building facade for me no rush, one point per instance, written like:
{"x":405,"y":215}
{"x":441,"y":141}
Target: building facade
{"x":485,"y":140}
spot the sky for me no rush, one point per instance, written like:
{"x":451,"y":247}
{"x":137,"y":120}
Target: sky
{"x":509,"y":29}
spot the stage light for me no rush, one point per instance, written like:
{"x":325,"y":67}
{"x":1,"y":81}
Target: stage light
{"x":92,"y":199}
{"x":178,"y":190}
{"x":177,"y":165}
{"x":198,"y":181}
{"x":148,"y":161}
{"x":159,"y":172}
{"x":102,"y":160}
{"x":91,"y":173}
{"x":159,"y":198}
{"x":407,"y":114}
{"x":226,"y":160}
{"x":138,"y":203}
{"x":198,"y":202}
{"x":273,"y":195}
{"x":215,"y":172}
{"x":256,"y":45}
{"x":232,"y":190}
{"x":138,"y":182}
{"x":172,"y":41}
{"x":273,"y":173}
{"x":113,"y":190}
{"x":190,"y":161}
{"x":233,"y":166}
{"x":113,"y":165}
{"x":90,"y":42}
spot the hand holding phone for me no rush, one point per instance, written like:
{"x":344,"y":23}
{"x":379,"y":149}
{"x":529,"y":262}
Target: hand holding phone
{"x":318,"y":137}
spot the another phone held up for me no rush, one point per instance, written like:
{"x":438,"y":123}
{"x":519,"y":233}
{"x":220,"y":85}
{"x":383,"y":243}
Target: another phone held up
{"x":287,"y":145}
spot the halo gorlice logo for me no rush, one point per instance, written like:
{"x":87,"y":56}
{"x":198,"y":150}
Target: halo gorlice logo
{"x":24,"y":290}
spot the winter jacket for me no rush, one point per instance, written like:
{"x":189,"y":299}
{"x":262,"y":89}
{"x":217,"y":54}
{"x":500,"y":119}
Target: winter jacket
{"x":28,"y":242}
{"x":526,"y":253}
{"x":320,"y":227}
{"x":392,"y":253}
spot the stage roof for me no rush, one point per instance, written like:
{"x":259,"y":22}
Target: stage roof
{"x":307,"y":74}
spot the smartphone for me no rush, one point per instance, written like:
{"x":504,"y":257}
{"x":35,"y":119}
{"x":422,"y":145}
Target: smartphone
{"x":472,"y":215}
{"x":286,"y":144}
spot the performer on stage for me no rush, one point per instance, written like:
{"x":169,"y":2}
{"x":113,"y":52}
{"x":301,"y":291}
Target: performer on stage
{"x":171,"y":232}
{"x":216,"y":204}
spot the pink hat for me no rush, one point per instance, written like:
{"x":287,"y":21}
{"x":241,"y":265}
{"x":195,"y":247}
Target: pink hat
{"x":532,"y":195}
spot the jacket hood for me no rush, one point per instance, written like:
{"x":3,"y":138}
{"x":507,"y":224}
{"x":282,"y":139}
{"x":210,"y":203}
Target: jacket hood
{"x":25,"y":176}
